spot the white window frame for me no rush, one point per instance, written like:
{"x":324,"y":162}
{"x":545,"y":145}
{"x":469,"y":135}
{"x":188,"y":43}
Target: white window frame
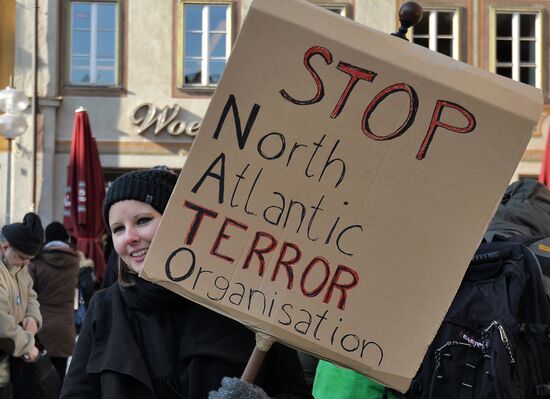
{"x":516,"y":63}
{"x":432,"y":30}
{"x":205,"y":31}
{"x":340,"y":9}
{"x":93,"y":44}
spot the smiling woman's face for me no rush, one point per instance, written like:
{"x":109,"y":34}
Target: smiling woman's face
{"x":133,"y":225}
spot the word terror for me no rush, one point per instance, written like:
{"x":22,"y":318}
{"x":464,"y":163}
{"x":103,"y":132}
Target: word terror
{"x":355,"y":75}
{"x":287,"y":268}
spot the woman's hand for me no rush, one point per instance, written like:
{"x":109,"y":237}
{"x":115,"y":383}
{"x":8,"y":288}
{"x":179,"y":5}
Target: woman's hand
{"x":32,"y":356}
{"x":235,"y":388}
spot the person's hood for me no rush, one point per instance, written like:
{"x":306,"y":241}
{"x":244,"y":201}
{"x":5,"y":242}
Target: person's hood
{"x":523,"y":210}
{"x":60,"y":257}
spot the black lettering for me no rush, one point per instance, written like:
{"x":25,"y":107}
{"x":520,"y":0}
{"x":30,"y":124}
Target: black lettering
{"x":344,"y":346}
{"x":239,"y":295}
{"x":306,"y":323}
{"x":242,"y":137}
{"x":283,"y":308}
{"x":380,"y":351}
{"x":282,"y":146}
{"x":168,"y":265}
{"x":201,"y":271}
{"x":223,"y":289}
{"x":218,"y":176}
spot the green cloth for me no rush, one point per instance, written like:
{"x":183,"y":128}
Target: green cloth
{"x":333,"y":382}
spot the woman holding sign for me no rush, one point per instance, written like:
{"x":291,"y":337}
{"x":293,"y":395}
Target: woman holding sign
{"x":140,"y":340}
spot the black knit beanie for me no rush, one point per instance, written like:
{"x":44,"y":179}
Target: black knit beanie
{"x":26,"y":237}
{"x":152,"y":186}
{"x":55,"y":231}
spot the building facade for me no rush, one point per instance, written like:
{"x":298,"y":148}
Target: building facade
{"x":7,"y":54}
{"x":507,"y":37}
{"x":145,"y":71}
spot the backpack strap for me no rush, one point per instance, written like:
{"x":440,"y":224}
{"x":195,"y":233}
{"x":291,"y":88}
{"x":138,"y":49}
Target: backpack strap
{"x":490,"y":257}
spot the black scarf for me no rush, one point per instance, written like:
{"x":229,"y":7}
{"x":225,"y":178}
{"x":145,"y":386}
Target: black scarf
{"x":176,"y":336}
{"x":142,"y":295}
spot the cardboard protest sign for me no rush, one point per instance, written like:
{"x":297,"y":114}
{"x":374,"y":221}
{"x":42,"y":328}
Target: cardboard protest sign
{"x":339,"y":185}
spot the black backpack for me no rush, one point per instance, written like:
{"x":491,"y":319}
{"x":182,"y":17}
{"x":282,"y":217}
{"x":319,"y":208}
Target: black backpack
{"x":494,"y":342}
{"x":541,"y":248}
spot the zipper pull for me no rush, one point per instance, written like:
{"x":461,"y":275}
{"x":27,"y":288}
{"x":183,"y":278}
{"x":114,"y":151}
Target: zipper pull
{"x":506,"y":342}
{"x":494,"y":323}
{"x":503,"y":336}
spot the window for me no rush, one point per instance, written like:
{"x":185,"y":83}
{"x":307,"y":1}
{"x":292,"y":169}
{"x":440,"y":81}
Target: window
{"x":438,"y":31}
{"x":94,"y":43}
{"x":338,"y":9}
{"x":516,"y":51}
{"x":206,"y":43}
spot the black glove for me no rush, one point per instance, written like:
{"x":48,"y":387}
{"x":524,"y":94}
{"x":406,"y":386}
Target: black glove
{"x":235,"y":388}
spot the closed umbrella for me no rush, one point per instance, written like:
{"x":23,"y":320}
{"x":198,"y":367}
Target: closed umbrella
{"x":85,"y":193}
{"x":544,"y":176}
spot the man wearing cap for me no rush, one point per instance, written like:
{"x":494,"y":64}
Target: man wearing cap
{"x":20,"y":316}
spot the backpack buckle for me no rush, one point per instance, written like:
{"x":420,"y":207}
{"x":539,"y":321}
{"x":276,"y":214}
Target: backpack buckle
{"x":542,"y":389}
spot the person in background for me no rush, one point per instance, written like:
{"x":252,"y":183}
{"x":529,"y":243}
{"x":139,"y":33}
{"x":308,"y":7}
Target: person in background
{"x":86,"y":278}
{"x":20,"y":316}
{"x":309,"y":365}
{"x":335,"y":382}
{"x":55,"y":274}
{"x":523,"y":216}
{"x":85,"y":289}
{"x":140,"y":340}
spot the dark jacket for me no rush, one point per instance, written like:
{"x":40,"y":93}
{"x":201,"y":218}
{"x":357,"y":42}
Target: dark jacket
{"x":146,"y":342}
{"x":524,"y":210}
{"x":55,"y":274}
{"x":524,"y":216}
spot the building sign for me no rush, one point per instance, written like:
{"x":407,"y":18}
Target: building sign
{"x":146,"y":115}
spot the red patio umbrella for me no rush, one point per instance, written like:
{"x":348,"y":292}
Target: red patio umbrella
{"x":544,"y":176}
{"x":83,"y":215}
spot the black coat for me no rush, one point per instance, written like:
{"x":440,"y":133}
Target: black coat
{"x":144,"y":342}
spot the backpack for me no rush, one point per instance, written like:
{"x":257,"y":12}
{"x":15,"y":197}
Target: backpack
{"x":494,"y":342}
{"x":38,"y":380}
{"x":541,"y":248}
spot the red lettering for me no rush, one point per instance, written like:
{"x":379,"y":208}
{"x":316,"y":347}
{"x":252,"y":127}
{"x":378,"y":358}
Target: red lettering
{"x":436,"y":122}
{"x":327,"y":56}
{"x":343,"y":287}
{"x":355,"y":74}
{"x":314,"y":278}
{"x":413,"y":108}
{"x":287,"y":263}
{"x":314,"y":292}
{"x":259,"y":252}
{"x":223,"y":236}
{"x":199,"y":216}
